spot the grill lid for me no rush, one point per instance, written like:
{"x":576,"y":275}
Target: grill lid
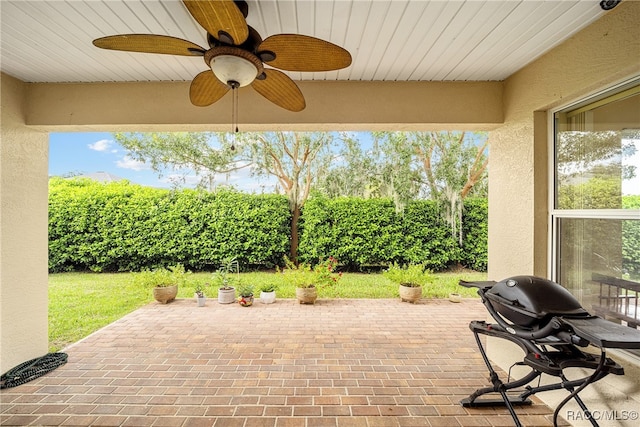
{"x":526,"y":300}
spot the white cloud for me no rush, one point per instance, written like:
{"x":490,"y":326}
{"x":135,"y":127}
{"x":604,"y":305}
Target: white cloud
{"x":128,"y":163}
{"x":102,"y":145}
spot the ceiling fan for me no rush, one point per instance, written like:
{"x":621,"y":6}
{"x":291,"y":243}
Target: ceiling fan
{"x":237,"y":55}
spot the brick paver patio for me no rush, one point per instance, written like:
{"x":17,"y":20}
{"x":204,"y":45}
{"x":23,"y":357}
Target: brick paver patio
{"x":337,"y":363}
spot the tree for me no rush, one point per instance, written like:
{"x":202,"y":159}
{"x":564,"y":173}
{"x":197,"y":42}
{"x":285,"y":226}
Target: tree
{"x":443,"y":166}
{"x":454,"y":165}
{"x":296,"y":159}
{"x":354,"y":171}
{"x":399,"y":176}
{"x":453,"y":162}
{"x":182,"y":152}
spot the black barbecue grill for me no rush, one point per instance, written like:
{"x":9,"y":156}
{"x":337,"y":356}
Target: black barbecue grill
{"x":549,"y":325}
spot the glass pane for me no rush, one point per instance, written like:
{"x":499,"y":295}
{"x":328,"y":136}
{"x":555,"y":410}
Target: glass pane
{"x":598,"y":155}
{"x":599,"y":262}
{"x":631,"y":168}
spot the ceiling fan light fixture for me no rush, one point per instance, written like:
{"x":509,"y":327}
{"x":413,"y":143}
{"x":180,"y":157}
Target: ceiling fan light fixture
{"x":229,"y":68}
{"x":230,"y":64}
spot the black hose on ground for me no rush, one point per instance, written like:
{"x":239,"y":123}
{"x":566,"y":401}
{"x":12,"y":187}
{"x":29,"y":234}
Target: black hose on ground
{"x":32,"y":369}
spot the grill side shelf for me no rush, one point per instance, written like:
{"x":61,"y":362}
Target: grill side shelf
{"x":604,"y":333}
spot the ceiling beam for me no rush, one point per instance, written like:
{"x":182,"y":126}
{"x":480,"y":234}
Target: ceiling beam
{"x":331,"y":105}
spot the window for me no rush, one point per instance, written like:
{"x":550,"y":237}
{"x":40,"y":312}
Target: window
{"x":596,"y":206}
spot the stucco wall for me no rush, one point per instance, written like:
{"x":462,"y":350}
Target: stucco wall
{"x":23,"y":233}
{"x":603,"y":54}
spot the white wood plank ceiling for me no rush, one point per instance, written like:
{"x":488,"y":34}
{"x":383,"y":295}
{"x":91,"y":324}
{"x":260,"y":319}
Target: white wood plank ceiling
{"x":391,"y":40}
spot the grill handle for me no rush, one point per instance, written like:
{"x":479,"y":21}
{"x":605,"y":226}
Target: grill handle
{"x":551,"y":327}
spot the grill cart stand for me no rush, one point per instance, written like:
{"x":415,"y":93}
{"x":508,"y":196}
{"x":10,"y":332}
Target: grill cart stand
{"x":549,"y":325}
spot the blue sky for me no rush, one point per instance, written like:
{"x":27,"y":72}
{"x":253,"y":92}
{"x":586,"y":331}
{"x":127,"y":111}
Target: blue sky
{"x":78,"y":153}
{"x":83,"y":153}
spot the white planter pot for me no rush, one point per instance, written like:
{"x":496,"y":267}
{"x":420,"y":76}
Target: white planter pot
{"x":268,"y":297}
{"x":227,"y":296}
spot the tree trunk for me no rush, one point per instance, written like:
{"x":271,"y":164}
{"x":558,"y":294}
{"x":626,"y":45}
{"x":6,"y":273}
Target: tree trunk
{"x":293,"y":254}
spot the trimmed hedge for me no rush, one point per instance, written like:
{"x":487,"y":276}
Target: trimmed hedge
{"x":475,"y":229}
{"x":368,"y":232}
{"x":125,"y":227}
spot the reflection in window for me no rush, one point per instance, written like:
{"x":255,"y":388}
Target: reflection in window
{"x":595,"y":169}
{"x":601,"y":246}
{"x":599,"y":262}
{"x":631,"y":166}
{"x":597,"y":204}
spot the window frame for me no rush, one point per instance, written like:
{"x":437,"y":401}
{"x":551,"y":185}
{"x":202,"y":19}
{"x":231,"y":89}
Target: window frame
{"x":555,"y":215}
{"x":610,"y":93}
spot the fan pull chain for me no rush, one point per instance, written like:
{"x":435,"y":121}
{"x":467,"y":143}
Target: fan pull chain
{"x":235,"y":98}
{"x":234,"y":111}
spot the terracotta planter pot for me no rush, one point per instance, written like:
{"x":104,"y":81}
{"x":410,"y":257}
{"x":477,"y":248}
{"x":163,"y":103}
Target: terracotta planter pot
{"x":165,"y":294}
{"x":306,"y":295}
{"x":410,"y":293}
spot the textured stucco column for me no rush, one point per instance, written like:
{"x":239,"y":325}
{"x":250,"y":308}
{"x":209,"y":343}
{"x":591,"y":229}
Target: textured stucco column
{"x":23,"y":233}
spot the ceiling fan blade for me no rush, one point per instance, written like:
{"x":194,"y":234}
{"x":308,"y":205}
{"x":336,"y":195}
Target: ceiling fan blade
{"x":278,"y":88}
{"x":206,"y":89}
{"x":150,"y":43}
{"x":221,"y":18}
{"x":295,"y":52}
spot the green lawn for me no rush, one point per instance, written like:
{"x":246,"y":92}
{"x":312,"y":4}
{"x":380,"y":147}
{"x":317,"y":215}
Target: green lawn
{"x":81,"y":303}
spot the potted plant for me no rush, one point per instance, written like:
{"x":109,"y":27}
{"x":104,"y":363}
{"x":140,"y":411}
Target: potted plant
{"x":245,"y":292}
{"x":308,"y":280}
{"x":409,"y":278}
{"x":225,"y":278}
{"x":268,"y":293}
{"x":455,"y":297}
{"x":199,"y":295}
{"x":164,"y":281}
